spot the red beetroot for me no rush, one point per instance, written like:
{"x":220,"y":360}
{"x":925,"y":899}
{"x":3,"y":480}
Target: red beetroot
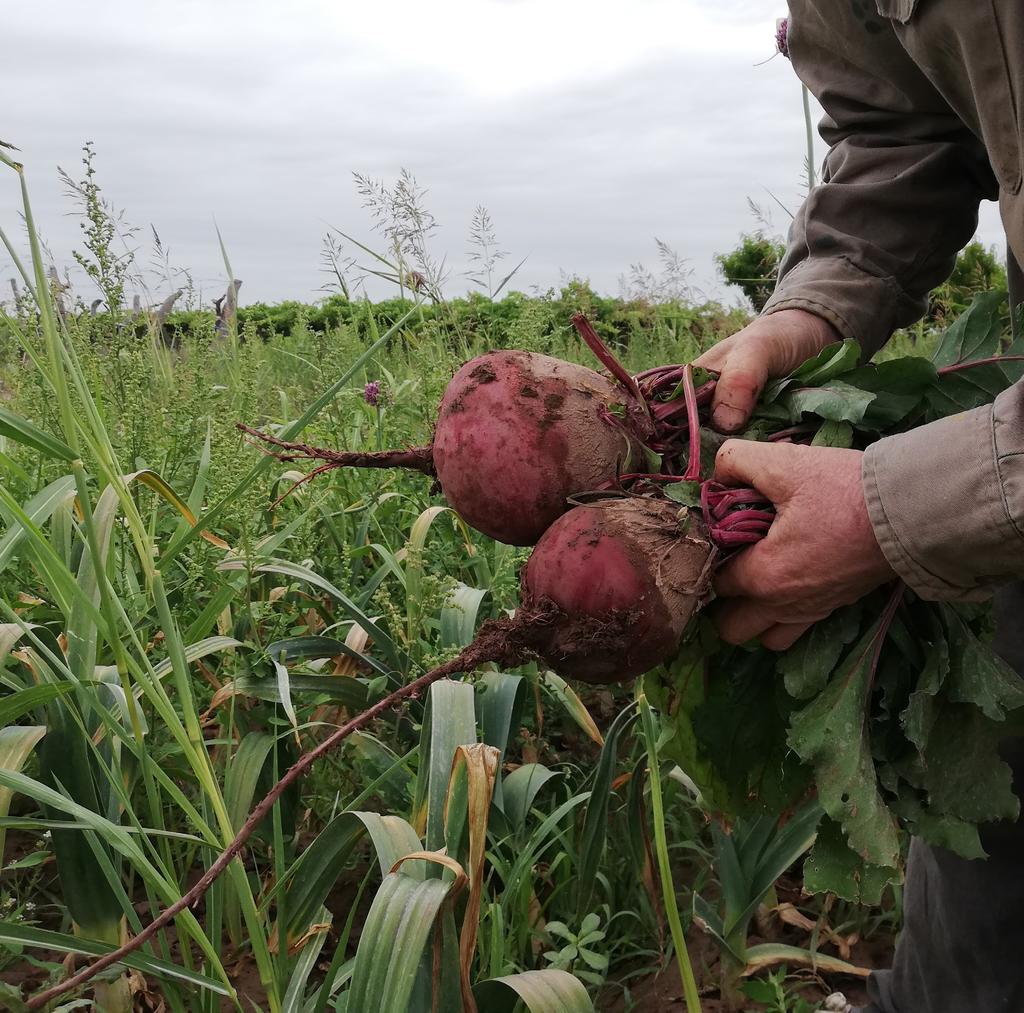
{"x":517,"y":434}
{"x":607,"y":592}
{"x":629,"y":574}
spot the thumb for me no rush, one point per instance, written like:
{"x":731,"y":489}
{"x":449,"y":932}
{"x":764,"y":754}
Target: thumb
{"x":767,"y":467}
{"x":743,"y":376}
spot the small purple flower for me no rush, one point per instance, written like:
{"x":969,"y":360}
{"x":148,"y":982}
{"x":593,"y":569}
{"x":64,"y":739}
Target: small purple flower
{"x":782,"y":36}
{"x":371,"y":393}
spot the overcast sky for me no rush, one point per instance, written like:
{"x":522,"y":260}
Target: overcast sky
{"x":586,"y":127}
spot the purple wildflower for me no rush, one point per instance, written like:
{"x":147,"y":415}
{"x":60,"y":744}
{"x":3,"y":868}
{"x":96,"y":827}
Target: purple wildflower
{"x":371,"y":393}
{"x":782,"y":36}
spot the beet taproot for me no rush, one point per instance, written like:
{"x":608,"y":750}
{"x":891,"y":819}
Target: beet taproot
{"x":607,"y":592}
{"x":628,"y":574}
{"x":517,"y":434}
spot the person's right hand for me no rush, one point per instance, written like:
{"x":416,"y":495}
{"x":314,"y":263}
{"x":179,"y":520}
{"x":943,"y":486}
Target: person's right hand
{"x":769,"y":347}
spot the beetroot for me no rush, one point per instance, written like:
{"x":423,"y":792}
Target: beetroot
{"x":628,"y":574}
{"x":607,"y":592}
{"x":517,"y":434}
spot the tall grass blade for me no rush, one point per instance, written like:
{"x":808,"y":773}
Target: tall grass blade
{"x":393,"y":942}
{"x":595,"y":822}
{"x":26,"y":935}
{"x":449,"y":722}
{"x":13,"y":427}
{"x":664,"y":864}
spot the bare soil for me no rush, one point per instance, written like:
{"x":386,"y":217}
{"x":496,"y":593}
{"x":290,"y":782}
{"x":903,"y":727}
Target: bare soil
{"x":663,"y":993}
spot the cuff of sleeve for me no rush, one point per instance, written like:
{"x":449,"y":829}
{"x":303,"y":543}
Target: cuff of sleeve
{"x":860,"y":305}
{"x":936,"y":504}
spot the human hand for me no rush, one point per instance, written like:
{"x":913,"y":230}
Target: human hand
{"x":820,"y":552}
{"x":771,"y":346}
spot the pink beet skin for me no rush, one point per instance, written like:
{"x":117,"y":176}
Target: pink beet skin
{"x":519,"y":433}
{"x":628,"y":574}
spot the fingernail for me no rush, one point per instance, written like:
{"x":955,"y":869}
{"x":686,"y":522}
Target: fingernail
{"x":727,"y":419}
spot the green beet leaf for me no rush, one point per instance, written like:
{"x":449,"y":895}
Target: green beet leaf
{"x":833,"y":867}
{"x":836,"y":401}
{"x":949,"y":832}
{"x":677,"y":694}
{"x":919,"y":715}
{"x":832,"y":734}
{"x":685,"y":493}
{"x":975,"y":334}
{"x":807,"y":665}
{"x":899,"y":385}
{"x":741,"y":728}
{"x":978,"y":675}
{"x":964,"y":776}
{"x":773,"y":389}
{"x":832,"y":361}
{"x":834,"y":434}
{"x":1014,"y":368}
{"x":966,"y":389}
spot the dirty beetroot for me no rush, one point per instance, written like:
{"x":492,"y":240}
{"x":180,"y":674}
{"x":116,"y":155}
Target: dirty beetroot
{"x":517,"y":434}
{"x":627,"y":575}
{"x":607,"y":592}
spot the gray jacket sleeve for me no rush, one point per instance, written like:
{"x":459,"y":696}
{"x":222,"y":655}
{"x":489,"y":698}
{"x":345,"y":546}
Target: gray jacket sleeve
{"x":899,"y":198}
{"x":901,"y":183}
{"x":947,"y":500}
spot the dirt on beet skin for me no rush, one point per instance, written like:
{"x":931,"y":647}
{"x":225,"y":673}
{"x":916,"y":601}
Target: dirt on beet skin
{"x":511,"y":451}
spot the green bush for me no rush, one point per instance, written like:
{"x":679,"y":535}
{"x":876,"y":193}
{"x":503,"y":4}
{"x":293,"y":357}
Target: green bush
{"x":753,"y":266}
{"x":977,"y":270}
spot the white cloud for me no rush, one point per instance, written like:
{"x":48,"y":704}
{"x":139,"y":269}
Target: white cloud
{"x":587,"y":127}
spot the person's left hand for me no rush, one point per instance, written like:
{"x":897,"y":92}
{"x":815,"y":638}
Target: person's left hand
{"x":820,"y":553}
